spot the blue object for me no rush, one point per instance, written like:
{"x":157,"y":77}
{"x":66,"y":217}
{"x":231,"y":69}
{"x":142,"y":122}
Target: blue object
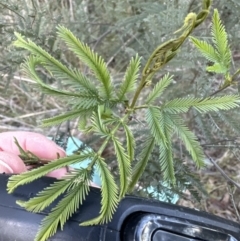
{"x":161,"y":196}
{"x":72,"y":146}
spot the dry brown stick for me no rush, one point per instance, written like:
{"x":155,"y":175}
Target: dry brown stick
{"x":222,"y":172}
{"x":231,"y":192}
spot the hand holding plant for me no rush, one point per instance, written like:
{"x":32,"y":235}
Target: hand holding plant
{"x":40,"y":147}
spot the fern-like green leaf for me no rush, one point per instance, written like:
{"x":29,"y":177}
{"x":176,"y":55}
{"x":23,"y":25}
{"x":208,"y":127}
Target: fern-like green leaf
{"x":188,"y":138}
{"x":142,"y":162}
{"x":56,"y":120}
{"x":206,"y":49}
{"x":166,"y":152}
{"x":182,"y":105}
{"x":217,"y":68}
{"x":110,"y":198}
{"x":220,"y":39}
{"x":124,"y":166}
{"x":226,"y":102}
{"x":162,"y":131}
{"x":29,"y":67}
{"x":130,"y":78}
{"x":154,"y":118}
{"x":130,"y":142}
{"x":26,"y":177}
{"x":56,"y":68}
{"x":91,"y":59}
{"x":98,"y":124}
{"x":85,"y":98}
{"x":179,"y":105}
{"x":158,"y":89}
{"x":166,"y":160}
{"x":45,"y":197}
{"x":62,"y":93}
{"x":64,"y":209}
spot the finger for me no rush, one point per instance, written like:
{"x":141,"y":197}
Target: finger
{"x":11,"y":163}
{"x":36,"y":143}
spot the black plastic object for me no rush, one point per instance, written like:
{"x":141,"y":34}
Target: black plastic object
{"x":136,"y":219}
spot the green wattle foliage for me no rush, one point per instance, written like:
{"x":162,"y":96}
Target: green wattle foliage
{"x":218,"y":52}
{"x":94,"y":98}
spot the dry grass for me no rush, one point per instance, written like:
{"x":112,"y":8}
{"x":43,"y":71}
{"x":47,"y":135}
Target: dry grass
{"x":23,"y":106}
{"x":223,"y":199}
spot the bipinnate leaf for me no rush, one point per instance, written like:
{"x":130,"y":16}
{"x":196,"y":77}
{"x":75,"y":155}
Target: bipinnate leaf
{"x":220,"y":40}
{"x":98,"y":124}
{"x":27,"y":177}
{"x":217,"y":68}
{"x":142,"y":161}
{"x":219,"y":53}
{"x":49,"y":194}
{"x":206,"y":49}
{"x":130,"y":142}
{"x":67,"y":206}
{"x":189,"y":139}
{"x":159,"y":88}
{"x":130,"y":78}
{"x":56,"y":120}
{"x":154,"y":118}
{"x":39,"y":57}
{"x":225,"y":102}
{"x":166,"y":151}
{"x":109,"y":192}
{"x":123,"y":164}
{"x":84,"y":99}
{"x":182,"y":105}
{"x":166,"y":160}
{"x":91,"y":59}
{"x":179,"y":105}
{"x":161,"y":131}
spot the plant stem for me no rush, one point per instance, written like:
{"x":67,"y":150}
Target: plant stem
{"x":235,"y":74}
{"x":138,"y":91}
{"x":103,"y":146}
{"x":140,"y":107}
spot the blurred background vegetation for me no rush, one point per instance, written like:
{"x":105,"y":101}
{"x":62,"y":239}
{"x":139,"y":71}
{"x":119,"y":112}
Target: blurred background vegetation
{"x":118,"y":30}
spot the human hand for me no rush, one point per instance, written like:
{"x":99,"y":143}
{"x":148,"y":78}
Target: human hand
{"x":39,"y":145}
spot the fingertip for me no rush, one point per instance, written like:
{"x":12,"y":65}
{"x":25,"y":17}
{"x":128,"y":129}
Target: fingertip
{"x":36,"y":143}
{"x":10,"y":163}
{"x":43,"y":147}
{"x":5,"y":168}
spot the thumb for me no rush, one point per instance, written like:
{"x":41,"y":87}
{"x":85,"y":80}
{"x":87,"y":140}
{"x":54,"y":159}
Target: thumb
{"x":10,"y":163}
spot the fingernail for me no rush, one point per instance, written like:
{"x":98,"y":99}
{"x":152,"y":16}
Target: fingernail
{"x":5,"y":168}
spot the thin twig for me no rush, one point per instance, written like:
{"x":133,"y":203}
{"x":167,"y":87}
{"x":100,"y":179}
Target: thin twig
{"x":231,"y":192}
{"x":5,"y":119}
{"x":219,"y":90}
{"x":120,"y":49}
{"x":222,"y":172}
{"x":101,"y":38}
{"x":4,"y":5}
{"x":37,"y":113}
{"x":15,"y":77}
{"x":71,"y":10}
{"x":23,"y":128}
